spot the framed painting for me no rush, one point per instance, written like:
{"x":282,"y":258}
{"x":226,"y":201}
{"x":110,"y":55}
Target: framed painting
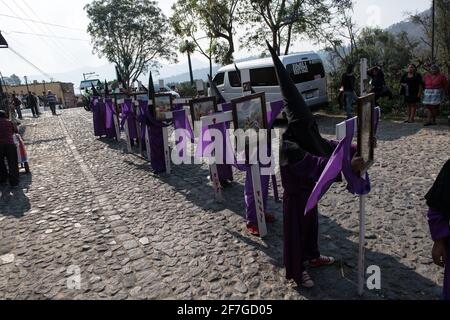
{"x":162,"y":104}
{"x":250,"y":114}
{"x":203,"y":107}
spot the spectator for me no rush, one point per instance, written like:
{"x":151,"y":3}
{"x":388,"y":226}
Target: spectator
{"x":44,"y":99}
{"x":411,"y":89}
{"x":17,"y":102}
{"x":33,"y":103}
{"x":51,"y":100}
{"x":15,"y":110}
{"x":378,"y":83}
{"x":435,"y":85}
{"x":8,"y":151}
{"x":348,"y":84}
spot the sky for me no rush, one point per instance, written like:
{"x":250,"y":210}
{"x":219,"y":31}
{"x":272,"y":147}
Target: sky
{"x":64,"y":48}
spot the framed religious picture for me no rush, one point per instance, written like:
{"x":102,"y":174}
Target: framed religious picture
{"x":366,"y":141}
{"x":162,"y":104}
{"x":202,"y":107}
{"x":250,"y":113}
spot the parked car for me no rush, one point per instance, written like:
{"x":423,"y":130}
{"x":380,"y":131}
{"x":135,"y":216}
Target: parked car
{"x":306,"y":69}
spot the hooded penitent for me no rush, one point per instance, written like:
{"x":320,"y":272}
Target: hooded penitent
{"x":106,"y":89}
{"x":215,"y":91}
{"x":438,"y":197}
{"x":303,"y":133}
{"x":151,"y":87}
{"x":94,"y":91}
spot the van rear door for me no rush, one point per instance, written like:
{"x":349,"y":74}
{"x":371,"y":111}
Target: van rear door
{"x":309,"y":77}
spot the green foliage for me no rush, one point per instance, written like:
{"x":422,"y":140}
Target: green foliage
{"x":186,"y":90}
{"x":285,"y":21}
{"x":15,"y":80}
{"x":132,"y":34}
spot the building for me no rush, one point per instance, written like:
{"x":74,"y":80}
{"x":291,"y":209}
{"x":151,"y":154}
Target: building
{"x":64,"y":91}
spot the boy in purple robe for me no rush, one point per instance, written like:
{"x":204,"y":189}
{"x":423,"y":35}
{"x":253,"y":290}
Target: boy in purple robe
{"x":438,"y":201}
{"x":303,"y":157}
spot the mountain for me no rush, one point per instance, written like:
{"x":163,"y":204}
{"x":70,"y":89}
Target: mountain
{"x":414,"y":31}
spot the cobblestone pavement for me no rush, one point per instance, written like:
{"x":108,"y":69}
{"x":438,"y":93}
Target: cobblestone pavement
{"x":90,"y":207}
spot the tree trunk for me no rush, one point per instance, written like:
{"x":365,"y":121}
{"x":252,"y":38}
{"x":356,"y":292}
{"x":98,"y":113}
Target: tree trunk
{"x":275,"y":42}
{"x":191,"y":74}
{"x":288,"y":44}
{"x":228,"y":59}
{"x":210,"y":66}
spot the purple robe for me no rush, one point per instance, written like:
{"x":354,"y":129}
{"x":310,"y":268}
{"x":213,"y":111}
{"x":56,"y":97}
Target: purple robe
{"x":300,"y":230}
{"x":440,"y":229}
{"x":109,"y":123}
{"x":129,"y":116}
{"x":98,"y":112}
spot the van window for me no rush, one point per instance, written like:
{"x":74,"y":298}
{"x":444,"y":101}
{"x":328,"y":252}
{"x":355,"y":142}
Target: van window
{"x":263,"y":77}
{"x":235,"y":79}
{"x":305,"y":71}
{"x":219,"y":79}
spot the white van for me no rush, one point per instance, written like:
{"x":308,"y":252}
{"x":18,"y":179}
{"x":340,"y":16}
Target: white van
{"x":306,"y":69}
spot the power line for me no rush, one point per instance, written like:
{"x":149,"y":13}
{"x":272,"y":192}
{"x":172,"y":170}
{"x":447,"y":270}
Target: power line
{"x":68,"y":58}
{"x":41,"y":22}
{"x":74,"y":58}
{"x":44,"y":35}
{"x":30,"y":63}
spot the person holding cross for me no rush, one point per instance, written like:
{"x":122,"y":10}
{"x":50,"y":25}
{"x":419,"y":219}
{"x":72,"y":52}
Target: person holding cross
{"x":438,"y":202}
{"x":304,"y":156}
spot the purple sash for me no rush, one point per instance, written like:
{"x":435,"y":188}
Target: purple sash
{"x":129,"y":116}
{"x":341,"y":161}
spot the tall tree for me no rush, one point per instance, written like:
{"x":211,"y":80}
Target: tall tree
{"x":15,"y":80}
{"x":132,"y":34}
{"x":285,"y":20}
{"x":442,"y":29}
{"x":187,"y":23}
{"x":219,"y":17}
{"x":188,"y":48}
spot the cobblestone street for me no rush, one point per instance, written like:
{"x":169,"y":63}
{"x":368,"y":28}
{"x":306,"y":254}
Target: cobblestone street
{"x":89,"y":206}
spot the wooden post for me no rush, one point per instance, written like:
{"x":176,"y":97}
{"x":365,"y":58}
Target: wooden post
{"x":259,"y":203}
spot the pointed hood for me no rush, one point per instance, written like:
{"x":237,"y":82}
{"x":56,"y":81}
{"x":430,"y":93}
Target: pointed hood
{"x":303,"y":133}
{"x":240,"y":78}
{"x":151,"y":87}
{"x":296,"y":108}
{"x":94,"y":91}
{"x":119,"y":78}
{"x":106,"y":89}
{"x":215,"y":91}
{"x":3,"y":43}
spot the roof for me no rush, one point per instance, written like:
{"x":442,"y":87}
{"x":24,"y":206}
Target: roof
{"x":268,"y":62}
{"x":87,"y":84}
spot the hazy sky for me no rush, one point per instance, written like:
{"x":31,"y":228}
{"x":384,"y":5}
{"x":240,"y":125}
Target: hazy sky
{"x":70,"y":49}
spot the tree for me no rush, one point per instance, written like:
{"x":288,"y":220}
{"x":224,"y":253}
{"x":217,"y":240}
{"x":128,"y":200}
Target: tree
{"x":285,"y":20}
{"x":132,"y":34}
{"x":219,"y":17}
{"x":442,"y":30}
{"x":14,"y":80}
{"x":188,"y":48}
{"x":186,"y":21}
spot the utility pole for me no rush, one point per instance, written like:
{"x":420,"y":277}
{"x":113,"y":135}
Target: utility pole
{"x":26,"y":82}
{"x":433,"y":33}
